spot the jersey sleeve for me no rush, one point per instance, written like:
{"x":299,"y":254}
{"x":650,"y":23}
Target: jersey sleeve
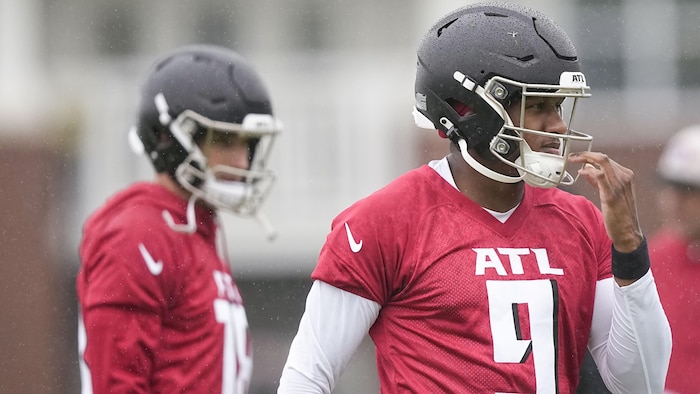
{"x":122,"y":303}
{"x":364,"y":251}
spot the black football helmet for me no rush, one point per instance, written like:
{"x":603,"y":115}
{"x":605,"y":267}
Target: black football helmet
{"x":485,"y":57}
{"x":190,"y":95}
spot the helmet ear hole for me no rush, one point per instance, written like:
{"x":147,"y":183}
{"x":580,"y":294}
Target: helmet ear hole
{"x":461,"y":108}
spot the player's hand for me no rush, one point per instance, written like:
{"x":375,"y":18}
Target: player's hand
{"x":615,"y":187}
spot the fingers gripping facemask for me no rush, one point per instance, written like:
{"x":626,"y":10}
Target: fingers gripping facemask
{"x":540,"y":169}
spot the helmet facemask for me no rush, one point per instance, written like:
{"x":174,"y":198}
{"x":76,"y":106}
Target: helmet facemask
{"x":238,"y":190}
{"x":539,"y":169}
{"x":498,"y":53}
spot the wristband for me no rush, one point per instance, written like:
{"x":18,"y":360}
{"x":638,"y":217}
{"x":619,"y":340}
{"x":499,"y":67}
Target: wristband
{"x":632,"y":265}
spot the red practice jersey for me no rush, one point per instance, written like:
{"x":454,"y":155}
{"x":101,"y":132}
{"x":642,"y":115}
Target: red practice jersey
{"x":160,"y":311}
{"x":470,"y":304}
{"x":677,"y":275}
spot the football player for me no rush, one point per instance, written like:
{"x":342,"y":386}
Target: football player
{"x":160,"y":311}
{"x":675,"y":250}
{"x":475,"y":273}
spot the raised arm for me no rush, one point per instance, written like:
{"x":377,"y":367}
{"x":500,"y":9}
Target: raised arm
{"x":630,"y":336}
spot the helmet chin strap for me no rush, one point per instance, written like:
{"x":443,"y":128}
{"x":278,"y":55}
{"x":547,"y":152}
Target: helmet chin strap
{"x":483,"y":170}
{"x":188,"y":228}
{"x":191,"y":226}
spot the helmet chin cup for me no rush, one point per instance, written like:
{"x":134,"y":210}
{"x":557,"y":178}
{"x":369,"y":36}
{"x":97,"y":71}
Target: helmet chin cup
{"x":240,"y":197}
{"x":225,"y":194}
{"x":545,"y":170}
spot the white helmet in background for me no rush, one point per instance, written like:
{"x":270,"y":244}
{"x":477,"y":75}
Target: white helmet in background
{"x":680,"y":159}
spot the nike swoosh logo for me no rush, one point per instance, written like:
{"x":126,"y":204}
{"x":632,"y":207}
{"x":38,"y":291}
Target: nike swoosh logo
{"x":354,"y":246}
{"x":156,"y":267}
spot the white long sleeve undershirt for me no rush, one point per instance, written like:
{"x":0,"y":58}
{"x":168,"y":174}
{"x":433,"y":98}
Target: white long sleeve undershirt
{"x":332,"y":327}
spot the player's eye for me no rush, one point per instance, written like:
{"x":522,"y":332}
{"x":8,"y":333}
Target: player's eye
{"x":224,"y":139}
{"x":537,"y":104}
